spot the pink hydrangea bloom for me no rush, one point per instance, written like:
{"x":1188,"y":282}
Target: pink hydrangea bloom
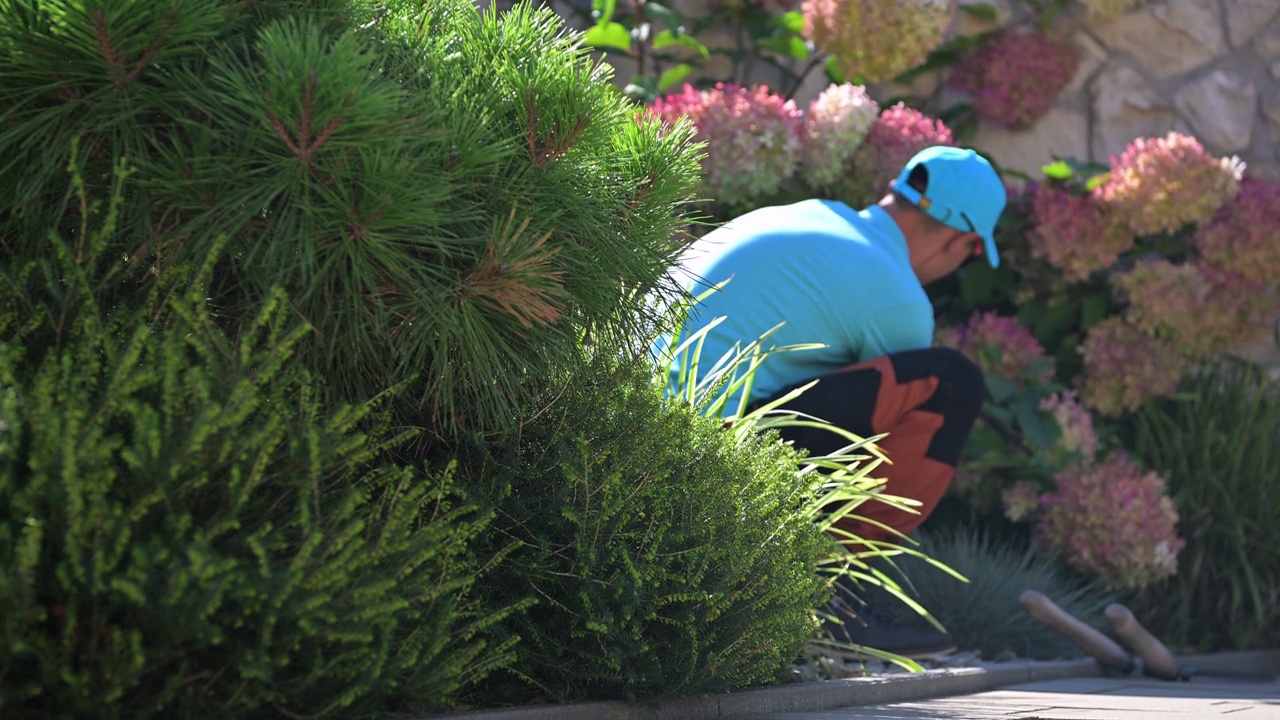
{"x":1015,"y":78}
{"x":877,"y":39}
{"x":1114,"y":521}
{"x":1075,"y":233}
{"x":1021,"y":500}
{"x":1161,"y":184}
{"x":1244,"y":236}
{"x":1078,"y":437}
{"x":1001,"y":345}
{"x":1124,"y":367}
{"x":898,"y":133}
{"x":752,"y":136}
{"x":1199,"y":309}
{"x":836,"y":124}
{"x":1240,"y":309}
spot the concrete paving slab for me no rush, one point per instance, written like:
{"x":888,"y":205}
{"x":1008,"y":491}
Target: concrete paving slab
{"x":1099,"y":698}
{"x":1069,"y":690}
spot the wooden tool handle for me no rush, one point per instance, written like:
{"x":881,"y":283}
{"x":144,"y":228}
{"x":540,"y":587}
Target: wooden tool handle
{"x":1093,"y":643}
{"x":1156,"y":658}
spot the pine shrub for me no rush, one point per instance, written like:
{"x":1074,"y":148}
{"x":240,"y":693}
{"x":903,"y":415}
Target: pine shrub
{"x":445,"y":194}
{"x":666,"y":556}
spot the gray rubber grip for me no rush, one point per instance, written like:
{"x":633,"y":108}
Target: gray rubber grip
{"x":1156,"y":658}
{"x":1093,"y":643}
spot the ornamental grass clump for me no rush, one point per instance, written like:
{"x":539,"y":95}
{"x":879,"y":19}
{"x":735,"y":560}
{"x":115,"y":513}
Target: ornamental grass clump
{"x":1015,"y":78}
{"x":835,"y":126}
{"x":1160,"y":185}
{"x":1241,"y":236}
{"x":898,"y":133}
{"x":1074,"y":232}
{"x":1113,"y":520}
{"x":875,"y":40}
{"x":980,"y":609}
{"x":753,"y":138}
{"x":1218,"y":443}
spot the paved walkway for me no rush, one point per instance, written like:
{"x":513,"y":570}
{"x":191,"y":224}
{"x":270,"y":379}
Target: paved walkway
{"x":1091,"y":698}
{"x":1063,"y":690}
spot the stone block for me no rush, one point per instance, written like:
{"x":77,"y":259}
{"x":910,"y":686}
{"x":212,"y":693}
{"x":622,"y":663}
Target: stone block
{"x":1061,"y":133}
{"x":1125,"y":107}
{"x":1267,"y":43}
{"x":1092,"y":57}
{"x":1221,"y":107}
{"x":1246,"y":17}
{"x":1170,"y":38}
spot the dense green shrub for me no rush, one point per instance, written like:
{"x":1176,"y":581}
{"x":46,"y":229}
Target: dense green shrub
{"x":444,"y":194}
{"x":1218,"y":444}
{"x":186,"y":530}
{"x":667,"y":556}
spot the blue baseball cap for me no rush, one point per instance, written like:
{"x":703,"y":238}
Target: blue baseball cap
{"x":964,"y":192}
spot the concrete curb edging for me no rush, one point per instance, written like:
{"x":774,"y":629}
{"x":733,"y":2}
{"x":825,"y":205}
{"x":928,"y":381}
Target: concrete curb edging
{"x":823,"y":695}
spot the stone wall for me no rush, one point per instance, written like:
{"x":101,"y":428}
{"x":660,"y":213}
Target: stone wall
{"x":1208,"y":68}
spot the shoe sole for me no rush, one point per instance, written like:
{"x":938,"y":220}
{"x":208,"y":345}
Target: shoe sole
{"x":848,"y":653}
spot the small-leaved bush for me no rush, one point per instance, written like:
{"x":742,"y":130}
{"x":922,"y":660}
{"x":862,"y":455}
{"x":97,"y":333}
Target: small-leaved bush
{"x":185,"y":532}
{"x":667,"y":555}
{"x":188,"y":528}
{"x":1217,"y":443}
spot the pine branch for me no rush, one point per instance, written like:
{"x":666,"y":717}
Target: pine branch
{"x":115,"y":62}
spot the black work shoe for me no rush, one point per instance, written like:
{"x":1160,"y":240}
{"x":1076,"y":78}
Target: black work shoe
{"x":846,"y":631}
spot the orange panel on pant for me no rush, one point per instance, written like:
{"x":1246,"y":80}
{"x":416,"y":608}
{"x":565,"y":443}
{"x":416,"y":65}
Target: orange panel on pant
{"x":911,"y":474}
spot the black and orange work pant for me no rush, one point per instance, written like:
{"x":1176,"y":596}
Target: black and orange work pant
{"x":925,"y":400}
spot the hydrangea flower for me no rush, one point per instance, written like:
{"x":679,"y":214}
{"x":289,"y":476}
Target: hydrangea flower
{"x":1021,"y":500}
{"x":1239,"y":310}
{"x":1244,"y":236}
{"x":898,"y":134}
{"x":877,"y":39}
{"x":1161,"y":184}
{"x":1124,"y":367}
{"x":1199,"y":309}
{"x":1112,"y":520}
{"x":752,"y":136}
{"x":1075,"y":233}
{"x":1015,"y":78}
{"x":1078,"y":437}
{"x":836,"y":124}
{"x":1000,"y":345}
